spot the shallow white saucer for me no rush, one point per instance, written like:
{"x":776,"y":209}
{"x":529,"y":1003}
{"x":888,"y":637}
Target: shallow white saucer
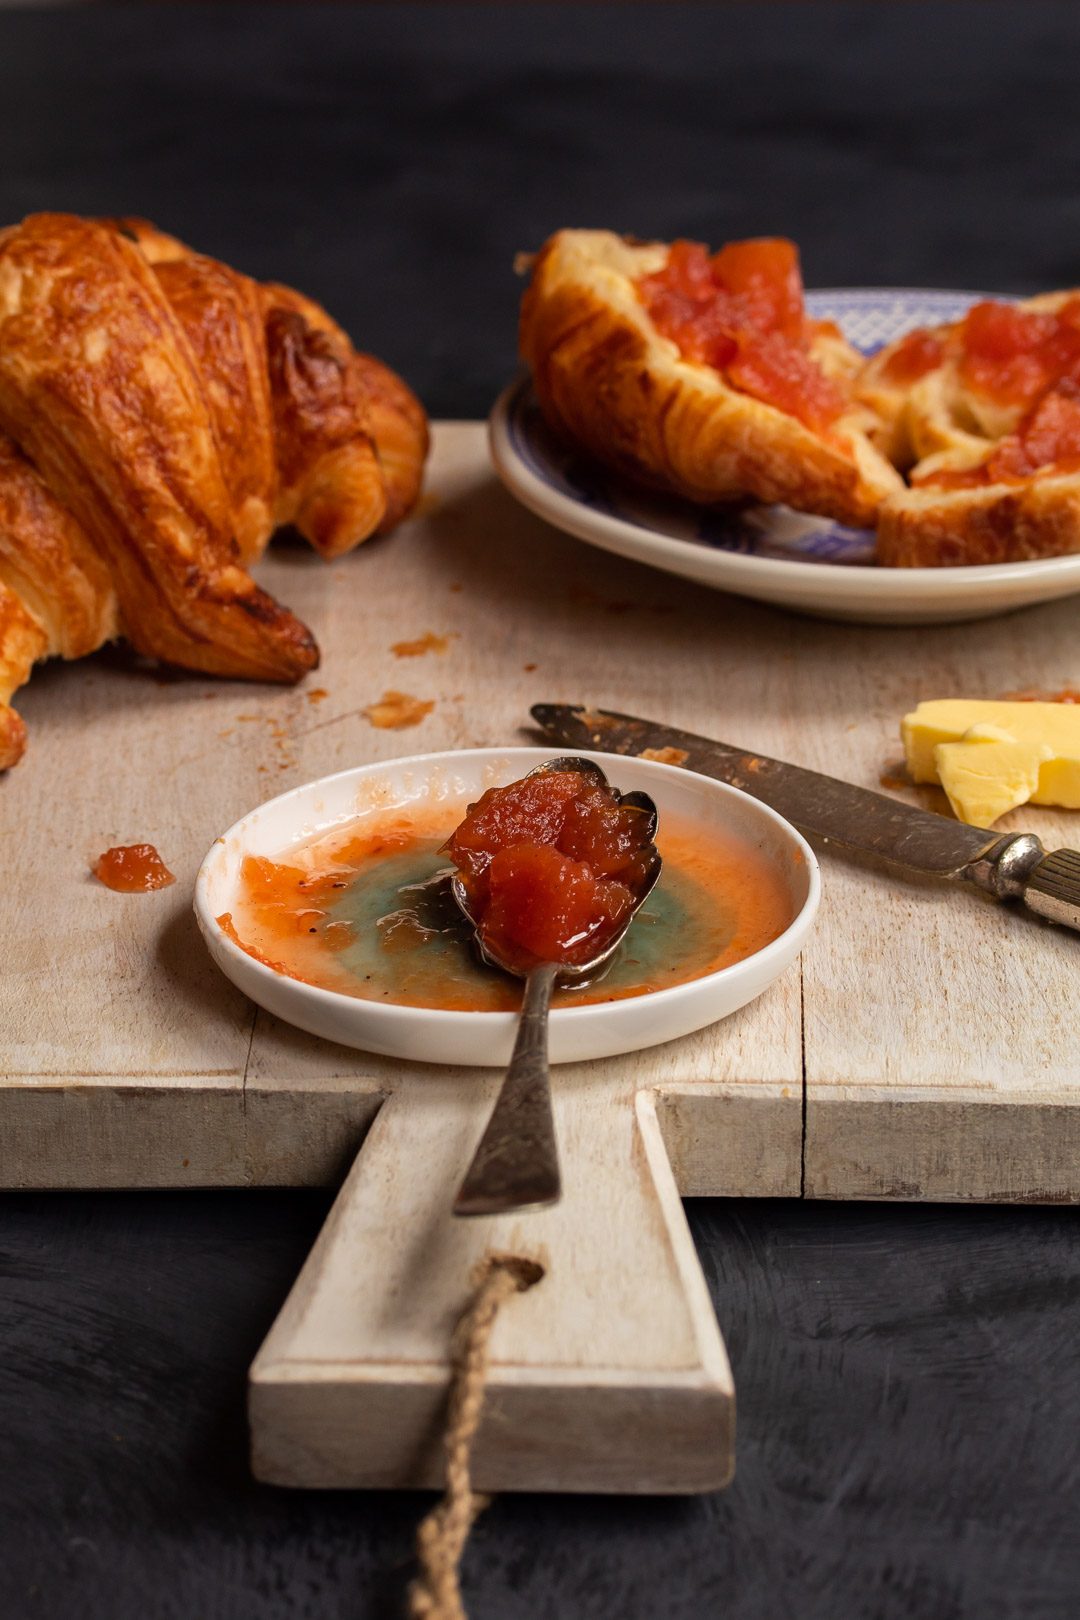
{"x":432,"y":1036}
{"x":768,"y":552}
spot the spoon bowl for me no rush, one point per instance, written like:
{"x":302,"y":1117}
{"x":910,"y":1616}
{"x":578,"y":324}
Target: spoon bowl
{"x":575,"y":973}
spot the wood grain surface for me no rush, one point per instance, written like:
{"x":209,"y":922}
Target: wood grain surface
{"x":916,"y":1052}
{"x":919,"y":1051}
{"x":587,"y":1389}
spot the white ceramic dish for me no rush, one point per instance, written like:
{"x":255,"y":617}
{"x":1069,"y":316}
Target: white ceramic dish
{"x":432,"y":1036}
{"x":768,"y":552}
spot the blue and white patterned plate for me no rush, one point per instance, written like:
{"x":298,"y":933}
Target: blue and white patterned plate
{"x":770,"y":552}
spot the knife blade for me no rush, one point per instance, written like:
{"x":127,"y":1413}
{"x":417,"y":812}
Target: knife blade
{"x":845,"y":817}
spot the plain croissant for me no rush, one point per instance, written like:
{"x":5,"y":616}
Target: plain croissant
{"x":160,"y":416}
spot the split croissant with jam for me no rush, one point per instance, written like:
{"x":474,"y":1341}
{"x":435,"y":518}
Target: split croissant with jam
{"x":983,"y":416}
{"x":160,"y":416}
{"x":701,"y":376}
{"x":704,"y":377}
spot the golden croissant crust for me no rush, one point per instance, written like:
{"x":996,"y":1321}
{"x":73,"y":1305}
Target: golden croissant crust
{"x":160,"y":415}
{"x":608,"y":379}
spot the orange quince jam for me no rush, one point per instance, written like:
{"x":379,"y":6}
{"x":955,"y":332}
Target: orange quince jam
{"x":914,"y":356}
{"x":1013,"y":355}
{"x":1007,"y":354}
{"x":1047,"y":437}
{"x":552,"y":865}
{"x":741,"y":311}
{"x":133,"y":869}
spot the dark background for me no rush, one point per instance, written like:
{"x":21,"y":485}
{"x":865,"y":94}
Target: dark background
{"x":908,"y":1377}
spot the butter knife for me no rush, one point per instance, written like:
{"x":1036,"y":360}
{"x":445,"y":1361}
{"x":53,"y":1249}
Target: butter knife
{"x":844,"y":817}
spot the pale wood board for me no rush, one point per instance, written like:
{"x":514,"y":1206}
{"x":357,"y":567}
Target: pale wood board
{"x":922,"y":1049}
{"x":130,"y":1061}
{"x":609,"y":1375}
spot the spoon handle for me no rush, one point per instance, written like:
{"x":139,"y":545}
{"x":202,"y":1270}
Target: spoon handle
{"x":516,"y":1165}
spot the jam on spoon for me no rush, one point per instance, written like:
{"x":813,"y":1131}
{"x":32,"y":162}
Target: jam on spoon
{"x":550,"y":871}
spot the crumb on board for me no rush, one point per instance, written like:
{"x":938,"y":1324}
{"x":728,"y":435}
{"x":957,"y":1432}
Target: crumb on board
{"x":427,"y":643}
{"x":396,"y":710}
{"x":456,"y":586}
{"x":528,"y":668}
{"x":895,"y":779}
{"x":665,"y":756}
{"x":317,"y":694}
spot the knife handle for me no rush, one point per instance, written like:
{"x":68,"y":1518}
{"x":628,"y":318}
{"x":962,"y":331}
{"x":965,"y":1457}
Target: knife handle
{"x":1053,"y":888}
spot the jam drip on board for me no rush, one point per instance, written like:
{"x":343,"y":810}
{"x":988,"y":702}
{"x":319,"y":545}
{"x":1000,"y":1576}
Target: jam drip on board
{"x":132,"y":869}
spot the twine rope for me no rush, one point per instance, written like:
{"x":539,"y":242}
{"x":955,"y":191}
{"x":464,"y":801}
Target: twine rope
{"x":441,"y":1537}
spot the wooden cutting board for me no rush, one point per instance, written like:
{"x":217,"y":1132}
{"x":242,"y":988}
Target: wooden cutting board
{"x":924,"y":1049}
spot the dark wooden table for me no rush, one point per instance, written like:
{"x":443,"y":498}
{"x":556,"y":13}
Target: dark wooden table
{"x":909,"y":1399}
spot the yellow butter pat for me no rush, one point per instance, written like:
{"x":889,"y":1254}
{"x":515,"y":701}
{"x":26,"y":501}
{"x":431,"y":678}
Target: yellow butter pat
{"x":988,"y":773}
{"x":1053,"y":727}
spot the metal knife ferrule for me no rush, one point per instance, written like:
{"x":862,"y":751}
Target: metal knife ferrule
{"x":1004,"y":869}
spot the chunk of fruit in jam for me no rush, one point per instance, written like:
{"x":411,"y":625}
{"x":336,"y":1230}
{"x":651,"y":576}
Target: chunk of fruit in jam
{"x":1012,"y":355}
{"x":530,"y":811}
{"x":548,"y":905}
{"x":764,"y":273}
{"x":916,"y":354}
{"x":552,"y":864}
{"x":742,"y":313}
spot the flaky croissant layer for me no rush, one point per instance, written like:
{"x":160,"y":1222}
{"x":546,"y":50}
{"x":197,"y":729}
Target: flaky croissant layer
{"x":160,"y":415}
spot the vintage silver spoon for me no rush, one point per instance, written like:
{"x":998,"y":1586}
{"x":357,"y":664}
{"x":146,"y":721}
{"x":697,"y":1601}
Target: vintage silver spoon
{"x":516,"y":1165}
